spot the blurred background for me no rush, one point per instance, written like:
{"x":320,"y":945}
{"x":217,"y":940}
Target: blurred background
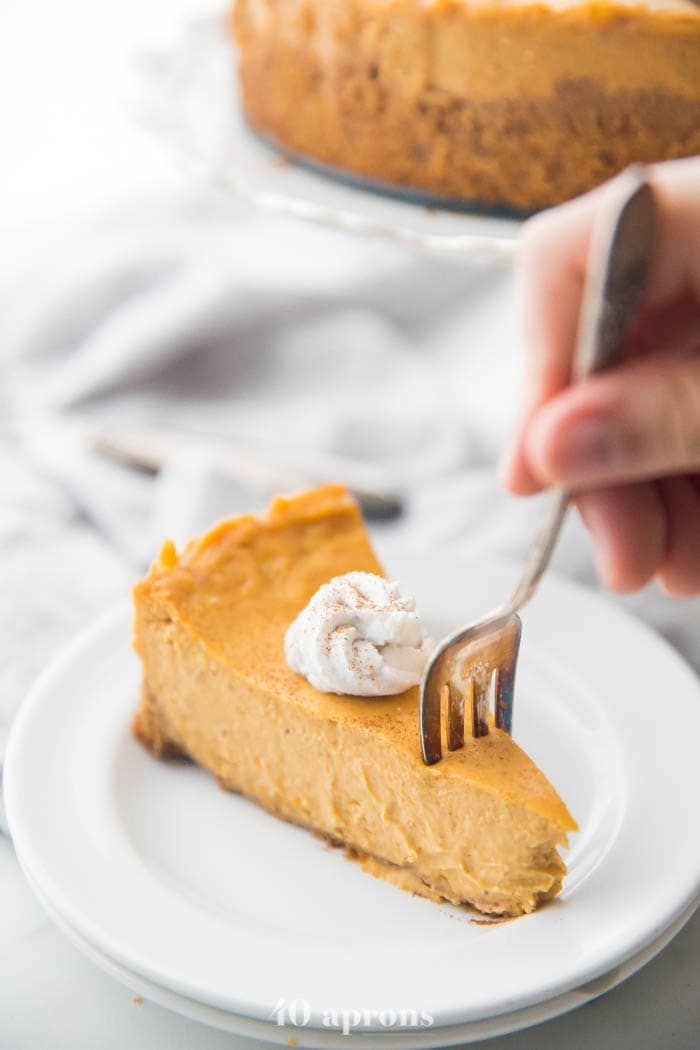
{"x":70,"y":149}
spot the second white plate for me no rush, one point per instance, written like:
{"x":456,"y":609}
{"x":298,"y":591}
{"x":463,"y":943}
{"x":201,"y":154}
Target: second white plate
{"x":290,"y":1035}
{"x":205,"y":895}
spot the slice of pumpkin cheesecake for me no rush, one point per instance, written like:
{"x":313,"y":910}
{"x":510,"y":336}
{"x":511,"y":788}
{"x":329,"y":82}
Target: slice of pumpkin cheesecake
{"x":480,"y":827}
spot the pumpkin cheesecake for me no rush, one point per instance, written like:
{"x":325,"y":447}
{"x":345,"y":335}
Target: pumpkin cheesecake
{"x":481,"y":827}
{"x":517,"y":103}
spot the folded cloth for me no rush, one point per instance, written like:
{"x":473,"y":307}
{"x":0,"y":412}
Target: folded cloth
{"x":193,"y":313}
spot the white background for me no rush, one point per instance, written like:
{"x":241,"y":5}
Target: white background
{"x":68,"y":146}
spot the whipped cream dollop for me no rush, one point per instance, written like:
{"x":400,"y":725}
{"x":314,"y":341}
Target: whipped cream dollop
{"x":359,"y":635}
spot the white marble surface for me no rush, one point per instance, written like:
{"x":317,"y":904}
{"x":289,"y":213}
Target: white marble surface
{"x":51,"y":998}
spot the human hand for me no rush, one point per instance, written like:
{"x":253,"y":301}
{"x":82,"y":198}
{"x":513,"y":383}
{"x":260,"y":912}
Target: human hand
{"x":626,"y":441}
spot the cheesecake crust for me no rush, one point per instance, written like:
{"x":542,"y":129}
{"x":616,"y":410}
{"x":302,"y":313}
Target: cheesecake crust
{"x":510,"y":104}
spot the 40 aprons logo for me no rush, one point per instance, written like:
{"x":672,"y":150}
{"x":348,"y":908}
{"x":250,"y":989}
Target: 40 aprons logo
{"x":297,"y":1012}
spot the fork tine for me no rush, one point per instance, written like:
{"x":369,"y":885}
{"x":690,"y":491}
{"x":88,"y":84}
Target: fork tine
{"x":455,"y":717}
{"x":471,"y":707}
{"x":505,"y":681}
{"x":479,"y":699}
{"x":431,"y":722}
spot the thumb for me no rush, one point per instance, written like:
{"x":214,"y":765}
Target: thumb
{"x":640,"y":421}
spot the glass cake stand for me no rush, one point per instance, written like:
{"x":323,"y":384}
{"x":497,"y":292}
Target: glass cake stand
{"x":186,"y":94}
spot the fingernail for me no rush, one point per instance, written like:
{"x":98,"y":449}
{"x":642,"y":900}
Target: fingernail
{"x":592,"y":445}
{"x":585,"y":450}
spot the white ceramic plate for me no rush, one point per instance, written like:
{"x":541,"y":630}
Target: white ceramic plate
{"x":205,"y":895}
{"x":331,"y":1040}
{"x":186,"y":95}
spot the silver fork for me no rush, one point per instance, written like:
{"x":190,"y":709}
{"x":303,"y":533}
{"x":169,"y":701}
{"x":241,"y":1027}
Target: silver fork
{"x":467,"y":663}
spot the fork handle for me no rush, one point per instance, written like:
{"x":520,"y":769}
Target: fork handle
{"x":541,"y":551}
{"x":616,"y":278}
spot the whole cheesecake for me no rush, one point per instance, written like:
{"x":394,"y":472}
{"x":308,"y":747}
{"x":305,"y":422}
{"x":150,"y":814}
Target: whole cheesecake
{"x":506,"y":102}
{"x":482,"y":826}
